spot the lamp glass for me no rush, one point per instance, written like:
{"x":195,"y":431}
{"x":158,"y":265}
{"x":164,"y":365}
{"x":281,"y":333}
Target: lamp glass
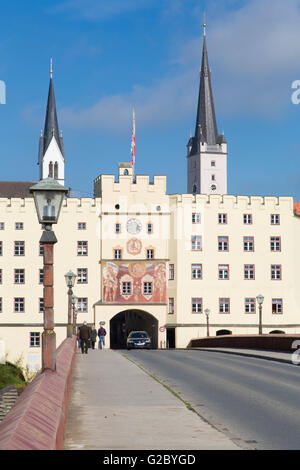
{"x":260,"y":299}
{"x":70,"y":278}
{"x":48,"y":197}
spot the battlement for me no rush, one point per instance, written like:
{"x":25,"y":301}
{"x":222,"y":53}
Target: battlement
{"x":106,"y":185}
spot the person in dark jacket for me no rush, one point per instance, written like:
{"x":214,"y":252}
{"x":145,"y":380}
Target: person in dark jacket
{"x":93,"y":336}
{"x":101,"y":334}
{"x":84,"y":334}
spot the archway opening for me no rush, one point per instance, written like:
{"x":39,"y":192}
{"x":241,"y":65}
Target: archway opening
{"x":223,"y":332}
{"x":132,"y":320}
{"x":277,"y":332}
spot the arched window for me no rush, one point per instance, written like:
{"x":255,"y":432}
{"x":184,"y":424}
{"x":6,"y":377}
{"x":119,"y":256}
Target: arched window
{"x":126,"y":173}
{"x":50,"y":170}
{"x":56,"y":170}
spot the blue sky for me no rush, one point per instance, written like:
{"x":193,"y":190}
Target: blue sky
{"x":111,"y":55}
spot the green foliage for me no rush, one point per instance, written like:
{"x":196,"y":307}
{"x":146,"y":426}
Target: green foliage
{"x":11,"y":374}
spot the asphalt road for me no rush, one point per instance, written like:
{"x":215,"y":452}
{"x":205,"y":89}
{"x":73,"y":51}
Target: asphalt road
{"x":251,"y":399}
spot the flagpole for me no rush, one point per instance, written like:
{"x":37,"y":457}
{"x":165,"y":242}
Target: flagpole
{"x":133,"y":142}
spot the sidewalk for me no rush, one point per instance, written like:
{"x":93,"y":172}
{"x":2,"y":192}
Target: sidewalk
{"x":114,"y":405}
{"x":278,"y":356}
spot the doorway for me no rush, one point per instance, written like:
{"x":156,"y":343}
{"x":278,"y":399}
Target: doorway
{"x":132,"y":320}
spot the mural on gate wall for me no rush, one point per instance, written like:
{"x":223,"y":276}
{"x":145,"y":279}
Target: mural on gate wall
{"x":115,"y":274}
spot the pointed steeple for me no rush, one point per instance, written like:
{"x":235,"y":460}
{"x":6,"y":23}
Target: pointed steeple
{"x":206,"y":124}
{"x":51,"y":122}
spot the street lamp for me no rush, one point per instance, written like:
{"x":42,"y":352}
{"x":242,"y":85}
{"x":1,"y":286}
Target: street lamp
{"x":48,"y":197}
{"x":70,"y":281}
{"x":260,"y":299}
{"x":207,"y":312}
{"x":74,"y":298}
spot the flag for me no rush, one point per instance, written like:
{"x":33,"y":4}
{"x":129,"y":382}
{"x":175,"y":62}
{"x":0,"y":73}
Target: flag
{"x":133,"y":141}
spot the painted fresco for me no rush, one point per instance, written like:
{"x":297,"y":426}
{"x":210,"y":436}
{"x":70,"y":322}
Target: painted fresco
{"x":116,"y":273}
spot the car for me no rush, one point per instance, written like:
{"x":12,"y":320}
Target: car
{"x":138,"y":340}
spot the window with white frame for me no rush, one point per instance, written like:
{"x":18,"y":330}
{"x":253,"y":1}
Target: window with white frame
{"x":81,"y":226}
{"x":126,"y":288}
{"x":0,"y":276}
{"x":19,"y":305}
{"x":0,"y":304}
{"x":196,"y":243}
{"x":82,"y":304}
{"x":41,"y":249}
{"x":171,"y":272}
{"x":223,"y":271}
{"x":171,"y":306}
{"x":250,"y":305}
{"x":249,"y":271}
{"x":196,"y":305}
{"x":118,"y":228}
{"x":82,"y":276}
{"x":19,"y":226}
{"x":147,"y":288}
{"x":277,"y":306}
{"x":196,"y":218}
{"x":247,"y":219}
{"x":1,"y":248}
{"x":150,"y":253}
{"x":19,"y":248}
{"x":19,"y":276}
{"x":82,"y":248}
{"x":248,"y":243}
{"x":149,"y":228}
{"x":222,"y":218}
{"x":2,"y":225}
{"x":275,"y":219}
{"x":224,"y":305}
{"x":196,"y":271}
{"x":41,"y":304}
{"x":41,"y":276}
{"x":223,"y":244}
{"x":34,"y":339}
{"x":276,"y":271}
{"x":117,"y":253}
{"x":275,"y":243}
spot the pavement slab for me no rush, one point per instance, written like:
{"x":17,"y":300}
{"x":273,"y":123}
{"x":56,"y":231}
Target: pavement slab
{"x":114,"y":405}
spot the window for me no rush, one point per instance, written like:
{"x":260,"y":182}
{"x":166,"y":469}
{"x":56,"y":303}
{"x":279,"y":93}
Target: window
{"x":222,"y":218}
{"x":81,"y":226}
{"x":248,"y":243}
{"x":19,"y":249}
{"x":275,"y":243}
{"x":150,"y":253}
{"x":82,"y":248}
{"x":149,"y":228}
{"x":196,"y":218}
{"x":0,"y":304}
{"x":82,"y":304}
{"x":213,"y":163}
{"x":276,"y":271}
{"x":196,"y":305}
{"x":41,"y":304}
{"x":224,"y":305}
{"x":196,"y":271}
{"x":147,"y":288}
{"x":171,"y":272}
{"x":213,"y":177}
{"x":171,"y":306}
{"x":118,"y":228}
{"x":276,"y":306}
{"x":82,"y":276}
{"x":34,"y":339}
{"x":248,"y":219}
{"x":250,"y":305}
{"x":0,"y":276}
{"x":19,"y":305}
{"x":41,"y":249}
{"x":126,"y":288}
{"x":275,"y":219}
{"x":223,"y":244}
{"x":196,"y":243}
{"x":223,"y":271}
{"x":249,"y":271}
{"x":19,"y":276}
{"x":2,"y":225}
{"x":19,"y":226}
{"x":41,"y":276}
{"x":117,"y":253}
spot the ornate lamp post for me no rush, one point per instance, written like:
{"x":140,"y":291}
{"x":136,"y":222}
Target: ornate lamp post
{"x":260,"y":299}
{"x":70,"y":281}
{"x":207,"y":312}
{"x":74,"y":313}
{"x":48,"y":197}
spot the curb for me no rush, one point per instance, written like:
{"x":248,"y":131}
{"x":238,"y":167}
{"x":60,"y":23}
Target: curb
{"x":257,"y":356}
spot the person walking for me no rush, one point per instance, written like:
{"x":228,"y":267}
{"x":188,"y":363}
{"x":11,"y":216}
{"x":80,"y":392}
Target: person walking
{"x":84,"y":335}
{"x":101,"y":334}
{"x":93,"y":336}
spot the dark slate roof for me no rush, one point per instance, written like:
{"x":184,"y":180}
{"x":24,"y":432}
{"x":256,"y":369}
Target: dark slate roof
{"x":206,"y":123}
{"x":16,"y":188}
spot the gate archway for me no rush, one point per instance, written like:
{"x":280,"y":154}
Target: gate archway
{"x":132,"y":320}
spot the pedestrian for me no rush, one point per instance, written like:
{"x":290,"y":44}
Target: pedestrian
{"x":93,"y":336}
{"x":84,"y":334}
{"x":101,"y":334}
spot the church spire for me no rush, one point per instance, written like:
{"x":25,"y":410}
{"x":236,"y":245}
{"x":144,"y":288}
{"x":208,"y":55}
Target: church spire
{"x":51,"y":122}
{"x":206,"y":125}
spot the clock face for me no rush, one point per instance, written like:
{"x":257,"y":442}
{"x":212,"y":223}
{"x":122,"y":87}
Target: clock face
{"x":134,"y":226}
